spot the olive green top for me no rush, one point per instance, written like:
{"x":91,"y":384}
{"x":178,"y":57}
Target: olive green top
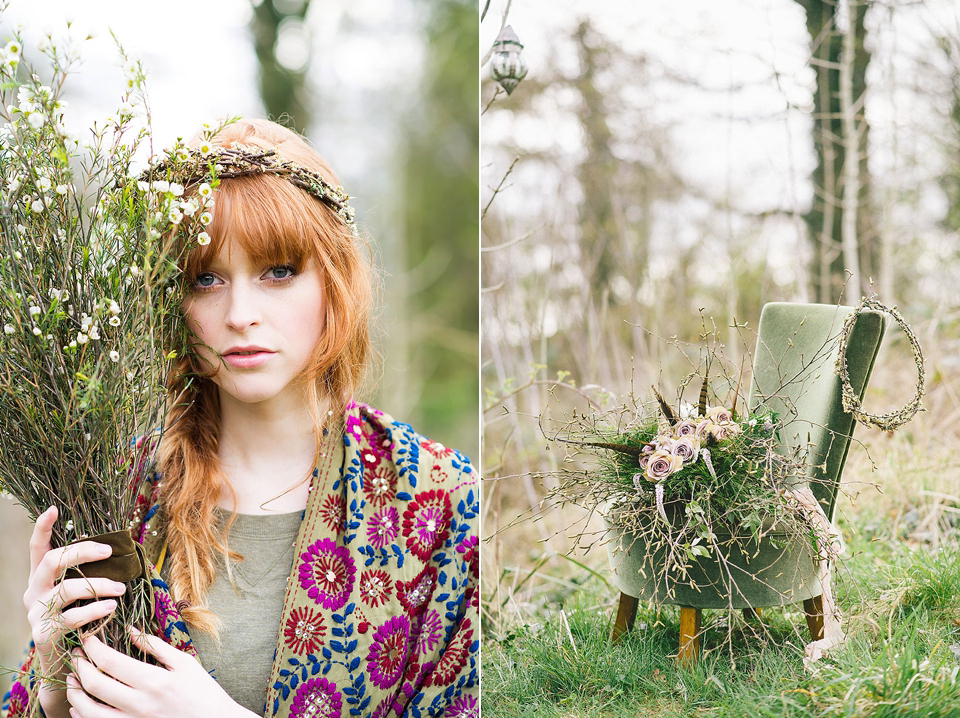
{"x":250,"y":609}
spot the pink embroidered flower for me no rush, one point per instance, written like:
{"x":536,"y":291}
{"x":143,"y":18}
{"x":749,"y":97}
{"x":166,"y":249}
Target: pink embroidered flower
{"x":383,"y":527}
{"x":18,"y":698}
{"x":463,"y":707}
{"x":370,"y":458}
{"x":375,"y":587}
{"x":431,"y":630}
{"x":304,"y":631}
{"x":327,"y":572}
{"x":380,"y":485}
{"x":436,"y":449}
{"x":164,"y":609}
{"x":354,"y":427}
{"x":317,"y":698}
{"x":468,"y":548}
{"x":415,"y":594}
{"x":426,"y":522}
{"x":389,"y":652}
{"x":333,"y":512}
{"x":454,"y":658}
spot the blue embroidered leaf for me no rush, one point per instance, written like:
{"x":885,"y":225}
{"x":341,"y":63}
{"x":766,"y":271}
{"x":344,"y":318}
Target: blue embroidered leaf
{"x":442,"y":577}
{"x":348,"y":691}
{"x":294,"y":662}
{"x":349,"y":630}
{"x":349,"y":609}
{"x":365,"y":703}
{"x":354,"y":664}
{"x":284,"y":672}
{"x":337,"y":618}
{"x":276,"y":705}
{"x":470,"y":496}
{"x":294,"y":682}
{"x":337,"y":646}
{"x":326,"y":653}
{"x":316,"y":668}
{"x":285,"y":691}
{"x":337,"y":631}
{"x":404,"y":496}
{"x":352,"y":646}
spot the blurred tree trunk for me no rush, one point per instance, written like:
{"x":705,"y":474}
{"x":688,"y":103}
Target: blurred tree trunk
{"x":441,"y":230}
{"x":283,"y":90}
{"x":825,"y":218}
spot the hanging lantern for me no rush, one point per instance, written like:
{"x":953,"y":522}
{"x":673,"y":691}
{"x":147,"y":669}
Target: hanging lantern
{"x":507,"y":66}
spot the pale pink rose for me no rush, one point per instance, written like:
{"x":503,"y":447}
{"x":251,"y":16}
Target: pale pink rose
{"x":687,"y":448}
{"x":719,"y":415}
{"x":687,"y":427}
{"x":703,"y":429}
{"x":661,"y":465}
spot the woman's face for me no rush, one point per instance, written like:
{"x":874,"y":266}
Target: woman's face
{"x":259,"y":323}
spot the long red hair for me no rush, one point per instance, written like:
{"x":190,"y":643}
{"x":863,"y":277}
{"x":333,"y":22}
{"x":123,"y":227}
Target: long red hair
{"x":274,"y":222}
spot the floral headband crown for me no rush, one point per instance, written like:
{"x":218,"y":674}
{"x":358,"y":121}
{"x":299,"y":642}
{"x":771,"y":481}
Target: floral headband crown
{"x":188,"y":166}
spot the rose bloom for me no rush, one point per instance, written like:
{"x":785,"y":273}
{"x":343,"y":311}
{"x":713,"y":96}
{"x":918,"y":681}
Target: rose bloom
{"x":687,"y":427}
{"x":719,"y":415}
{"x":687,"y":448}
{"x":661,"y":465}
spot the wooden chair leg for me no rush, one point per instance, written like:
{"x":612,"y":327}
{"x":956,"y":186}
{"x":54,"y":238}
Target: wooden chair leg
{"x":813,"y":607}
{"x":626,"y":615}
{"x":690,"y":619}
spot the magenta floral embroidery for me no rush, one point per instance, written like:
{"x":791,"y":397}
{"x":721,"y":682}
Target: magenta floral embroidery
{"x":317,"y":698}
{"x":375,"y":587}
{"x":383,"y":527}
{"x":164,"y":609}
{"x":431,"y":630}
{"x":426,"y":522}
{"x":415,"y":594}
{"x":327,"y":572}
{"x":388,"y":653}
{"x":380,"y":485}
{"x":463,"y":707}
{"x":18,"y":698}
{"x":304,"y":631}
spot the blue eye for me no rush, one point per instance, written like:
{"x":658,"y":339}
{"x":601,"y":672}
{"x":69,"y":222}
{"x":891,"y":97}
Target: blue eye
{"x":204,"y":280}
{"x":283,"y":271}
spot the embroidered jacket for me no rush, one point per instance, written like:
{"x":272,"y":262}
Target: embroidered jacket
{"x":380,"y":621}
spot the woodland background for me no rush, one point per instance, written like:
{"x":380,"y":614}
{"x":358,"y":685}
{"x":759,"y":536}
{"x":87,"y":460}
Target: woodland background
{"x":666,"y":168}
{"x":387,"y":92}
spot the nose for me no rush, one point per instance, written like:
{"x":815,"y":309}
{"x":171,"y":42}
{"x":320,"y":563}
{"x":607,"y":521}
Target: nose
{"x":243,"y":310}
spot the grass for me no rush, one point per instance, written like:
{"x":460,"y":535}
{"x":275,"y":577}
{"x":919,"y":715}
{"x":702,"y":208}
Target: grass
{"x":902,"y":616}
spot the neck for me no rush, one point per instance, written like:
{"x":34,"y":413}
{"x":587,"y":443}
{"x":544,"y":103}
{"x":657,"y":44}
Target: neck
{"x":267,"y":453}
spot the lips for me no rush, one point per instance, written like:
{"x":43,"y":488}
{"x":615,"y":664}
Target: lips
{"x":246,"y":357}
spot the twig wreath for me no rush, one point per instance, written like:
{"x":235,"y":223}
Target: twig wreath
{"x":851,"y":402}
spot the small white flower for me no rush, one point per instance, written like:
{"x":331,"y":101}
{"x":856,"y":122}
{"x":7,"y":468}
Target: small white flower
{"x":161,"y":186}
{"x":205,"y":148}
{"x":189,"y":208}
{"x":134,"y":270}
{"x":82,"y":338}
{"x":43,"y":183}
{"x":8,"y":329}
{"x":69,"y":526}
{"x":114,"y":308}
{"x":35,"y":310}
{"x":125,"y":110}
{"x":175,"y":216}
{"x":204,"y":190}
{"x":94,"y":332}
{"x":203,"y":239}
{"x":143,"y":186}
{"x":37,"y":331}
{"x":36,"y":120}
{"x":13,"y":185}
{"x":176,"y":189}
{"x":12,"y":48}
{"x":37,"y":206}
{"x":114,"y":321}
{"x":114,"y":356}
{"x":17,"y":254}
{"x":85,"y":322}
{"x":206,"y":218}
{"x":63,"y":189}
{"x":72,"y":344}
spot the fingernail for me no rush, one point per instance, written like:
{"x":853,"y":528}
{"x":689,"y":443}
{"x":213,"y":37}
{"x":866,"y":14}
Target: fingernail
{"x":104,"y":550}
{"x":110,"y":604}
{"x":119,"y":587}
{"x":72,"y":680}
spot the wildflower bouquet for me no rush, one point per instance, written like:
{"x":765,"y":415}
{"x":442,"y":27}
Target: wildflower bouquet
{"x":89,"y":309}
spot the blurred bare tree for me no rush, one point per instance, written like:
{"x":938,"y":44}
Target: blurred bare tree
{"x":280,"y":39}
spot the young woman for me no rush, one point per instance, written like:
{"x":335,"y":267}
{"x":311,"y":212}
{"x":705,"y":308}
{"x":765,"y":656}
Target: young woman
{"x":316,"y":556}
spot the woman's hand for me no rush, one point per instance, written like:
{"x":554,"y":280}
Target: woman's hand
{"x":179,"y":688}
{"x":48,"y":600}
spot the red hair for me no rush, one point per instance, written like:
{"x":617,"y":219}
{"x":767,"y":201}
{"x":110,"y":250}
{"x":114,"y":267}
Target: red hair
{"x":274,"y":222}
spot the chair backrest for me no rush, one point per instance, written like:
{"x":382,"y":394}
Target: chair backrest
{"x":793,"y":374}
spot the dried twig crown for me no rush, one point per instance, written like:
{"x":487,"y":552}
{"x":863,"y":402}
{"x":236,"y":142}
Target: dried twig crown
{"x":191,"y":166}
